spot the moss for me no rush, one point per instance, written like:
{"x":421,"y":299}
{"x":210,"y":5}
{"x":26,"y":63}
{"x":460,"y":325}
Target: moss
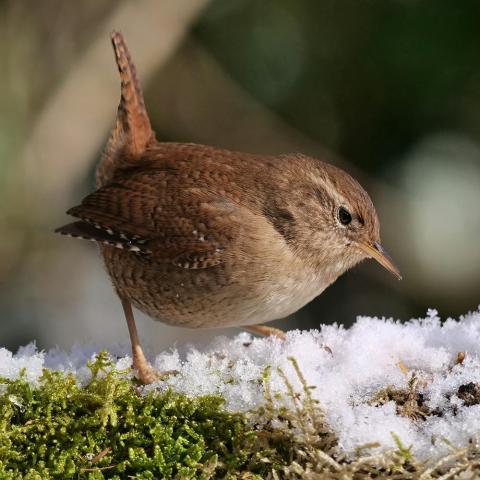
{"x":409,"y":401}
{"x":59,"y":429}
{"x":469,"y":393}
{"x":106,"y":429}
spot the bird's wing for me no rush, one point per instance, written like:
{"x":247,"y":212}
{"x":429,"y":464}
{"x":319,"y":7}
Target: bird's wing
{"x":151,"y":213}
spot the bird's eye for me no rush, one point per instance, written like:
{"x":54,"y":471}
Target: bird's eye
{"x":344,"y":216}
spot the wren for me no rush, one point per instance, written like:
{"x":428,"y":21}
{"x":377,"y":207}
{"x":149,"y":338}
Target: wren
{"x":197,"y":236}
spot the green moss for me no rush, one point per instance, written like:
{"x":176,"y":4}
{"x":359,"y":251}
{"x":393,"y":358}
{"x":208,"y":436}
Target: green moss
{"x":106,"y":429}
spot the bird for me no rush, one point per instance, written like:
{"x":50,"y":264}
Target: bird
{"x":197,"y":236}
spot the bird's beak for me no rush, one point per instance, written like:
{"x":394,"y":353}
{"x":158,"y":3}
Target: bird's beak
{"x":376,"y":251}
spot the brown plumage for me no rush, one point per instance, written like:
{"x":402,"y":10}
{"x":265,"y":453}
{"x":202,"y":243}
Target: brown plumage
{"x":198,"y":236}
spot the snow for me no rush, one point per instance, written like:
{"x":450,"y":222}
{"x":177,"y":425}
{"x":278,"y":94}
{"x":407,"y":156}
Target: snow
{"x":347,"y":367}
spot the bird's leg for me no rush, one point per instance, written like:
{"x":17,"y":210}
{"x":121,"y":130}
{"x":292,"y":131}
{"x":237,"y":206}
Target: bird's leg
{"x":266,"y":331}
{"x":146,"y":373}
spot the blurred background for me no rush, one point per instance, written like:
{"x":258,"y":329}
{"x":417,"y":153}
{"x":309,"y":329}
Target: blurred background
{"x":387,"y":89}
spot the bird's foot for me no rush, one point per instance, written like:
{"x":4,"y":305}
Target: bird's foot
{"x":267,"y":331}
{"x":145,"y":372}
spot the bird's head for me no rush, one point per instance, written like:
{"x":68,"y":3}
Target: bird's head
{"x":330,"y":219}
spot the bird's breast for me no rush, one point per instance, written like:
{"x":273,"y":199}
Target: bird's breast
{"x":286,"y":294}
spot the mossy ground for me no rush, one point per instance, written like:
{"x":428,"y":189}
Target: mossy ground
{"x":59,"y":429}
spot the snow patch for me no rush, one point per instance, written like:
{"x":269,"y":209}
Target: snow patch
{"x":348,"y":367}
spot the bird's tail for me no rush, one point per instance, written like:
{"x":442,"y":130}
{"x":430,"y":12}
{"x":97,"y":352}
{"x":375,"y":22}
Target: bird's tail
{"x":132,"y":132}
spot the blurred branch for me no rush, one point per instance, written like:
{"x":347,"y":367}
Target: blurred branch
{"x":194,"y":99}
{"x":77,"y":117}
